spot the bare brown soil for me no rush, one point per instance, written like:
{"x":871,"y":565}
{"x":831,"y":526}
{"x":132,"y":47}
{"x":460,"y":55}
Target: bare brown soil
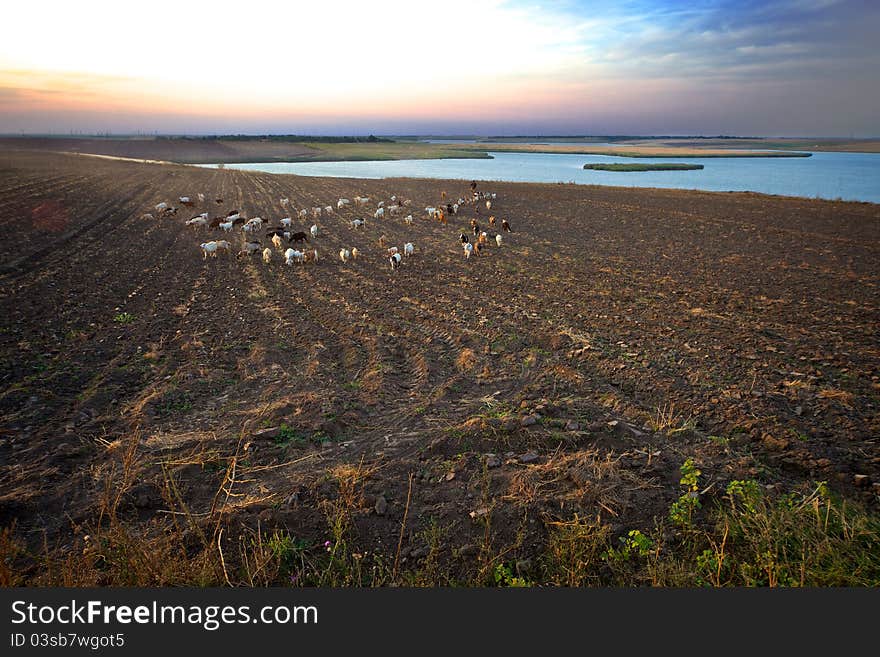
{"x":636,"y":327}
{"x":188,"y":151}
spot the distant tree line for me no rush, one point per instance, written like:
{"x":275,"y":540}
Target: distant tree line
{"x":289,"y":138}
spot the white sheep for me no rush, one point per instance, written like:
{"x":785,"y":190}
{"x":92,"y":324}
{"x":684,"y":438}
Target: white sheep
{"x":267,"y":255}
{"x":287,"y":222}
{"x":408,"y":249}
{"x":468,"y":249}
{"x":276,"y":241}
{"x":361,"y":200}
{"x":392,"y":250}
{"x":357,"y":223}
{"x":204,"y":215}
{"x":292,"y":255}
{"x":408,"y":220}
{"x":395,"y":261}
{"x":161,"y":207}
{"x":302,"y":214}
{"x":285,"y":202}
{"x":209,"y":247}
{"x":328,"y":209}
{"x":314,"y":230}
{"x":378,"y":214}
{"x":344,"y":255}
{"x":393,"y":209}
{"x":488,"y":205}
{"x":226,"y":226}
{"x":341,"y":203}
{"x":197,"y":221}
{"x":498,"y":240}
{"x":316,"y":212}
{"x":184,"y":199}
{"x":201,"y":197}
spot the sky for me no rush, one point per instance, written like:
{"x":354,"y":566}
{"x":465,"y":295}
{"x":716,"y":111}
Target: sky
{"x":449,"y":67}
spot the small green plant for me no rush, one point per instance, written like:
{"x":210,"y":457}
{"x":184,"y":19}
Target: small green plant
{"x":635,"y":543}
{"x":287,"y":435}
{"x":503,"y":576}
{"x":124,"y":318}
{"x":682,"y":510}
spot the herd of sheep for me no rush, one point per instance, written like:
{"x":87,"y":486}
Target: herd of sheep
{"x":255,"y":229}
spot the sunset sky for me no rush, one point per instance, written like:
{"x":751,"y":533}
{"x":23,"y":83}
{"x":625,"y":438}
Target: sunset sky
{"x":777,"y":68}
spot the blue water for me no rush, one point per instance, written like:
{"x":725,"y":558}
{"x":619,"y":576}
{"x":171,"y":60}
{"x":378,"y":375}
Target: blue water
{"x":847,"y":176}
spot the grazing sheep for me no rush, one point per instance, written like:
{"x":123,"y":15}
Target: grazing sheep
{"x":395,"y":261}
{"x":185,"y":200}
{"x":197,"y":221}
{"x":407,"y":203}
{"x":498,"y":240}
{"x":380,"y":204}
{"x":379,"y":214}
{"x":249,"y":248}
{"x":287,"y":222}
{"x":355,"y":253}
{"x":393,"y":209}
{"x":285,"y":202}
{"x":232,"y":214}
{"x":302,"y":214}
{"x":161,"y":207}
{"x":226,"y":226}
{"x":492,"y":220}
{"x":341,"y":203}
{"x":408,"y":249}
{"x":292,"y":254}
{"x":299,"y":236}
{"x":201,"y":197}
{"x":392,"y":250}
{"x":357,"y":223}
{"x":276,"y":241}
{"x":408,"y":220}
{"x":505,"y":226}
{"x":316,"y":212}
{"x":209,"y":247}
{"x":344,"y":255}
{"x":483,"y":238}
{"x":468,"y":249}
{"x":223,"y":245}
{"x":314,"y":230}
{"x":147,"y":216}
{"x":311,"y":256}
{"x":267,"y":255}
{"x":488,"y":205}
{"x":328,"y":209}
{"x":361,"y":200}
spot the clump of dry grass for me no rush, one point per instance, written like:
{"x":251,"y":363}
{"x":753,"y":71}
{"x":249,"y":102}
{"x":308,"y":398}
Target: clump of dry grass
{"x":466,"y":360}
{"x":841,"y":396}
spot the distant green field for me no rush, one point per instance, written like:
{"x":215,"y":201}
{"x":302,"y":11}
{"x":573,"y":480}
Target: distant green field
{"x":386,"y":151}
{"x":664,"y":166}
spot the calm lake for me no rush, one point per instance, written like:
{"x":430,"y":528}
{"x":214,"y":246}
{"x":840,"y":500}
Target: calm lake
{"x":847,"y":176}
